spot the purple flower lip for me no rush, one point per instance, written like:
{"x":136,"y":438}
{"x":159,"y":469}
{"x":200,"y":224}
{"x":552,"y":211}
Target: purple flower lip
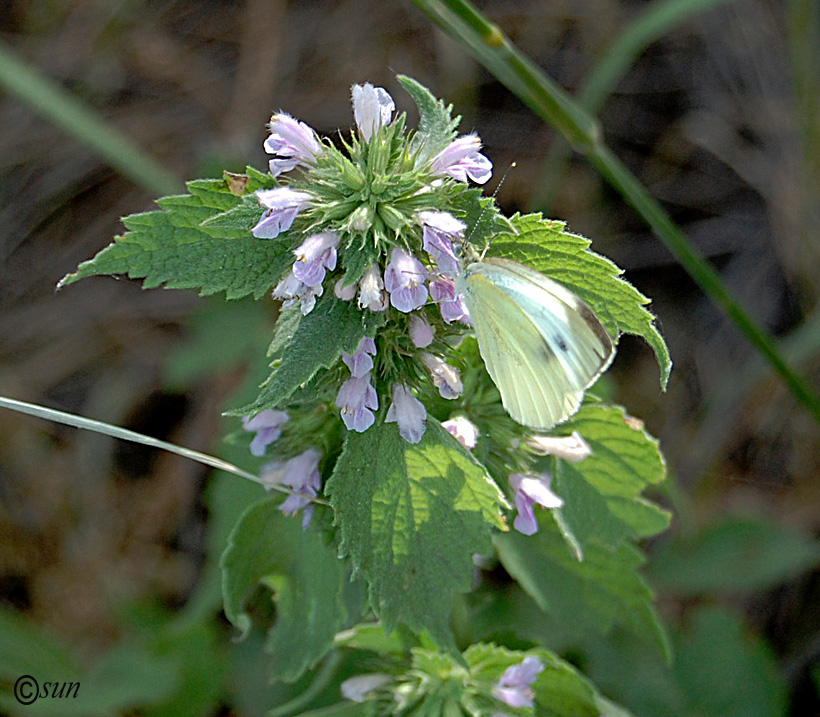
{"x":314,"y":256}
{"x":403,"y":280}
{"x":360,"y":362}
{"x":462,"y":161}
{"x":439,"y":231}
{"x":529,"y":490}
{"x":293,"y":142}
{"x":408,"y":412}
{"x":513,"y":688}
{"x":357,"y":400}
{"x":267,"y":425}
{"x":281,"y":207}
{"x":451,"y":305}
{"x":445,"y":378}
{"x":300,"y":474}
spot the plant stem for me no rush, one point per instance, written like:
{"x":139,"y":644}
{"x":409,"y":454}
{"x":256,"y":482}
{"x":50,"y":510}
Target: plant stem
{"x":84,"y":124}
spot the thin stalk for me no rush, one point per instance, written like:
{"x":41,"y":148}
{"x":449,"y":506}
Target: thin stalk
{"x":85,"y":125}
{"x":488,"y":45}
{"x":652,"y":23}
{"x":89,"y":424}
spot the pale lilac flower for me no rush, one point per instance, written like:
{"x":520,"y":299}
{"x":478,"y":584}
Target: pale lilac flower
{"x":569,"y":448}
{"x":408,"y":412}
{"x":463,"y":429}
{"x":314,"y":256}
{"x":421,"y":333}
{"x":268,"y":427}
{"x":281,"y":207}
{"x":372,"y":109}
{"x":462,"y":160}
{"x":291,"y":290}
{"x":356,"y":398}
{"x":445,"y":378}
{"x":439,"y":230}
{"x":356,"y":688}
{"x":404,"y":280}
{"x":513,"y":688}
{"x":293,"y":143}
{"x":360,"y":362}
{"x":345,"y":293}
{"x":450,"y":304}
{"x":300,"y":474}
{"x":529,"y":490}
{"x":370,"y":289}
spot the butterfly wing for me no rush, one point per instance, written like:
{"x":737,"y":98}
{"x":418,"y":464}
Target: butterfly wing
{"x":542,"y":346}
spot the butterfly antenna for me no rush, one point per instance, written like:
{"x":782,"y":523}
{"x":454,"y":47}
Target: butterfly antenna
{"x":489,"y":204}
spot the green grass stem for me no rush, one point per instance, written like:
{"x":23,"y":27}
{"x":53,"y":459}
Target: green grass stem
{"x":83,"y":124}
{"x":488,"y":45}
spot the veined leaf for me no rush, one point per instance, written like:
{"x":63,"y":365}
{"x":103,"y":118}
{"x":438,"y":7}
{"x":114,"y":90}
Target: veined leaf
{"x":437,"y":126}
{"x":195,"y":242}
{"x":305,"y":575}
{"x":411,"y":518}
{"x":304,"y":344}
{"x":546,"y":246}
{"x":601,"y":493}
{"x":602,"y":590}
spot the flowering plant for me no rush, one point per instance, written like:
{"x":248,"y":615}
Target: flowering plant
{"x":380,"y":420}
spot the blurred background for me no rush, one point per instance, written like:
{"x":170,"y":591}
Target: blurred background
{"x":108,"y":550}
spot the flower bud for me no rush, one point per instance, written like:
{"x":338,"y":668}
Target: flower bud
{"x":361,"y":218}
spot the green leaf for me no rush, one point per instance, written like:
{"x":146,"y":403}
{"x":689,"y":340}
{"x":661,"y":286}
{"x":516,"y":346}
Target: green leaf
{"x":602,"y":590}
{"x":305,"y":575}
{"x":243,"y":218}
{"x":411,"y":518}
{"x":304,"y":344}
{"x":565,"y":257}
{"x":560,"y":688}
{"x":725,"y":671}
{"x":199,"y":648}
{"x":25,"y":649}
{"x":602,"y":492}
{"x":176,"y":246}
{"x":437,"y":127}
{"x":125,"y":677}
{"x":735,"y":555}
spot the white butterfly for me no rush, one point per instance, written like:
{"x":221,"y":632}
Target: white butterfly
{"x":542,"y":345}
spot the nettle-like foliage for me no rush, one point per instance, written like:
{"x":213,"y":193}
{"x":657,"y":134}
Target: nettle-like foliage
{"x":382,"y":422}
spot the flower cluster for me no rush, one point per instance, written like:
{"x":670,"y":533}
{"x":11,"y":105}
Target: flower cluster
{"x":390,"y":198}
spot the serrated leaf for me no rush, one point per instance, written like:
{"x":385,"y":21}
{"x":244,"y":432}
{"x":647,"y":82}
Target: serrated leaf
{"x":602,"y":492}
{"x":437,"y":126}
{"x":242,"y":218}
{"x":304,"y":344}
{"x":269,"y":548}
{"x":546,"y":246}
{"x":175,"y":247}
{"x":602,"y":590}
{"x":411,"y":517}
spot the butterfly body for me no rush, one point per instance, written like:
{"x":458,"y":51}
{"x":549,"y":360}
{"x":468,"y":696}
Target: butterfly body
{"x":542,"y":345}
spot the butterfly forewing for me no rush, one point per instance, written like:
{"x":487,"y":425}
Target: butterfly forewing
{"x":541,"y":344}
